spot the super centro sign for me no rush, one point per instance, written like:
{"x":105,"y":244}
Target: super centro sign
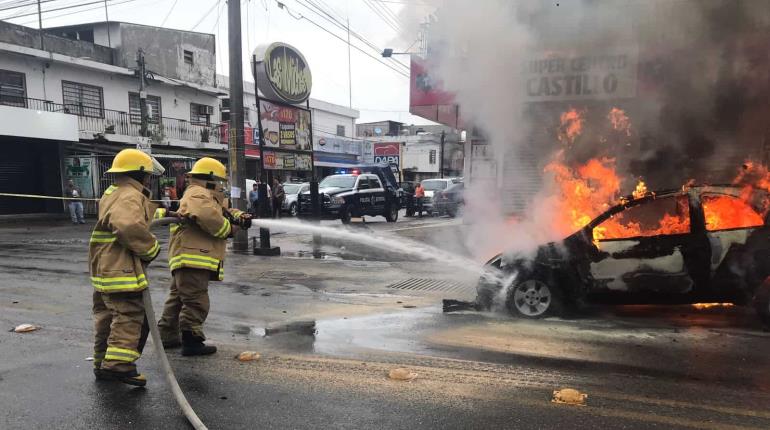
{"x":282,"y":73}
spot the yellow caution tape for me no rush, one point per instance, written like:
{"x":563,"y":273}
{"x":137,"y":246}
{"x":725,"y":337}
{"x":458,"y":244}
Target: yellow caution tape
{"x":34,"y":196}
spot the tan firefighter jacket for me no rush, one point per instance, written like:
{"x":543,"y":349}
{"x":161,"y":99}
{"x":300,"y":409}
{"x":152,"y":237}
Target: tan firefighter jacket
{"x":200,"y":241}
{"x":121,"y":244}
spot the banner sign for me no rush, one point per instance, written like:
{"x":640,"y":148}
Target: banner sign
{"x":287,"y":161}
{"x":557,"y":77}
{"x":338,"y":145}
{"x":80,"y":170}
{"x":389,"y":153}
{"x":282,"y":73}
{"x":285,"y":127}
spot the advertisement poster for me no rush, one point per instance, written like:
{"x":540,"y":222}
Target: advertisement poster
{"x":287,"y":161}
{"x":285,"y":127}
{"x":389,"y":153}
{"x":80,"y":170}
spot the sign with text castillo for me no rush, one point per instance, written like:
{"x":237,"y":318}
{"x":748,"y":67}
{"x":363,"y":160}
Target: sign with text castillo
{"x":282,"y":73}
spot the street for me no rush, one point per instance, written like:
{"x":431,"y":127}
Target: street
{"x":330,"y":329}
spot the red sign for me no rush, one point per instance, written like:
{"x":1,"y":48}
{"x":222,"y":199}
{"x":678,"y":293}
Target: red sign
{"x":386,"y":149}
{"x":427,"y":97}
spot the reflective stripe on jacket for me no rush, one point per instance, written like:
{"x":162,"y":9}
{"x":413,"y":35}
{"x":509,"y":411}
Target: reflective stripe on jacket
{"x":200,"y":242}
{"x":121,"y":243}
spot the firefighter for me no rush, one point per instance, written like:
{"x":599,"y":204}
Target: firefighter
{"x":196,"y":256}
{"x":120,"y":249}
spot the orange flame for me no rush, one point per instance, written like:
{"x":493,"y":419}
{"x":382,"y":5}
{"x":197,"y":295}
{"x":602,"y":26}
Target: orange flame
{"x":571,"y":126}
{"x":641,"y":190}
{"x":619,"y":120}
{"x":711,"y":305}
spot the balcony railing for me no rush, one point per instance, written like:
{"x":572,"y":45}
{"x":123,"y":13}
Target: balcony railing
{"x":108,"y":121}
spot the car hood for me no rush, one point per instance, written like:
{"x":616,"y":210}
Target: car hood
{"x":330,"y":191}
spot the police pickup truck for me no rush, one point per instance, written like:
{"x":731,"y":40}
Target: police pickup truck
{"x":369,"y":190}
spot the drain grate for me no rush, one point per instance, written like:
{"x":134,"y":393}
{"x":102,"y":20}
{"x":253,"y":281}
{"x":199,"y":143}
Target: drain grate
{"x":416,"y":284}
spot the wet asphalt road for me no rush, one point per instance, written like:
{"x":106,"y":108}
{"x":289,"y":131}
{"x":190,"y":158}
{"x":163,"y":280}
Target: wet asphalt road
{"x":642,"y":367}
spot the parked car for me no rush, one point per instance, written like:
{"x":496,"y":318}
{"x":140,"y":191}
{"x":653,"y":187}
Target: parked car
{"x":702,"y":244}
{"x":433,"y":185}
{"x":373,"y":192}
{"x":292,"y":190}
{"x":449,"y":201}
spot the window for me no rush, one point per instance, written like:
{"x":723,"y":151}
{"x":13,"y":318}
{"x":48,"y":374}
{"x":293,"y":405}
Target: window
{"x":188,"y":57}
{"x":153,"y":109}
{"x":340,"y":130}
{"x":663,"y":216}
{"x":82,"y":99}
{"x":724,"y":212}
{"x":374,"y":182}
{"x":432,"y":156}
{"x":13,"y":91}
{"x":200,"y":114}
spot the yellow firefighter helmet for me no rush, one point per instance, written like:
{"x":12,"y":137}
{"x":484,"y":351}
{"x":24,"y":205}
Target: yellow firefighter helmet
{"x":134,"y":160}
{"x":209,"y":166}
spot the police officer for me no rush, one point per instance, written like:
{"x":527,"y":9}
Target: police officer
{"x":196,"y":256}
{"x":120,"y":249}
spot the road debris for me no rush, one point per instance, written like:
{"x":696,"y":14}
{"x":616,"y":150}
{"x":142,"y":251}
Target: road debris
{"x":25,"y":328}
{"x":569,"y":396}
{"x":450,"y":305}
{"x":402,"y":374}
{"x":306,"y":328}
{"x":249,"y":356}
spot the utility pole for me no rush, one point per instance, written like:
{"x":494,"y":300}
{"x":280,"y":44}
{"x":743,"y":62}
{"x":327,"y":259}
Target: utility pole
{"x":236,"y":148}
{"x":107,"y":19}
{"x":350,"y":73}
{"x":40,"y":24}
{"x":142,"y":93}
{"x":441,"y":160}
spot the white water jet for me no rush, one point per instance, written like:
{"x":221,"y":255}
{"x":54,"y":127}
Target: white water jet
{"x":402,"y":245}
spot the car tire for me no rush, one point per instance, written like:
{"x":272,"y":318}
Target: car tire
{"x":762,"y":302}
{"x":451,"y":212}
{"x":345,"y":215}
{"x":293,"y":209}
{"x":532,"y":298}
{"x":391,"y":214}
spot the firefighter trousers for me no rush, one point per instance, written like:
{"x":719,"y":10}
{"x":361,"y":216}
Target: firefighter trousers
{"x":121,"y":330}
{"x":187,"y":305}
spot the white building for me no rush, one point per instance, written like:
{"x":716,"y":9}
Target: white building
{"x":69,"y":101}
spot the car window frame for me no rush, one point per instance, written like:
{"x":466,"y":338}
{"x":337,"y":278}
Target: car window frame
{"x":706,"y":192}
{"x":609,"y":213}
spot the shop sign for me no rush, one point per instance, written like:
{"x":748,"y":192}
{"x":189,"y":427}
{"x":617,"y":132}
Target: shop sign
{"x":285,"y":127}
{"x":282,"y":73}
{"x":572,"y":76}
{"x":287,"y":161}
{"x":389,"y":153}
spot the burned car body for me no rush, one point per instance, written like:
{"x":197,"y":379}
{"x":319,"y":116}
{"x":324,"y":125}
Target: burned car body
{"x":700,"y":244}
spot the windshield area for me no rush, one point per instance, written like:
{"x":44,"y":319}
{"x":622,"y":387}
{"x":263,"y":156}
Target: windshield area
{"x":338,"y":182}
{"x":291,"y":188}
{"x":434,"y":185}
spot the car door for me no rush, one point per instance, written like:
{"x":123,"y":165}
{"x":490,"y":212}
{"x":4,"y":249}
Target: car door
{"x":378,"y":196}
{"x":650,"y":247}
{"x":362,"y":196}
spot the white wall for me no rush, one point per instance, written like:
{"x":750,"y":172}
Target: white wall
{"x":175,"y":101}
{"x":417,"y":156}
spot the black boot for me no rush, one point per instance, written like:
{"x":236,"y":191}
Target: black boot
{"x":193,"y":345}
{"x":131,"y":378}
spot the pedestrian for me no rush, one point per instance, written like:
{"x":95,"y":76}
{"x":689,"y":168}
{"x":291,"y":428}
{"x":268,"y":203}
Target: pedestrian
{"x":419,"y":196}
{"x":72,"y":191}
{"x":119,"y":251}
{"x":196,"y":256}
{"x":278,"y":196}
{"x":254,"y":200}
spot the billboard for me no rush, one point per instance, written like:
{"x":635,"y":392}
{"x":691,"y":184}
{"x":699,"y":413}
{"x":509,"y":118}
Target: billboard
{"x":285,"y":127}
{"x":427,"y":97}
{"x":387,"y":152}
{"x":275,"y":160}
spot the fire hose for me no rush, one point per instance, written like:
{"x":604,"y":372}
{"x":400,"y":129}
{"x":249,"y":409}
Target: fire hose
{"x":168,"y":372}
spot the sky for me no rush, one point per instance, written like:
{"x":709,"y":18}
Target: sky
{"x":378,"y":91}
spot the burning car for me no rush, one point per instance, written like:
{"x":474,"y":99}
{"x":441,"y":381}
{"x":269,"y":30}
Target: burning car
{"x":696,"y":244}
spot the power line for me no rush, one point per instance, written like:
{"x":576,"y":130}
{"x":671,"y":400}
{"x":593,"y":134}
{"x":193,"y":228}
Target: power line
{"x":65,"y":8}
{"x":205,"y":15}
{"x":301,"y":17}
{"x":20,"y":5}
{"x":384,"y":18}
{"x":75,"y":12}
{"x":169,"y":13}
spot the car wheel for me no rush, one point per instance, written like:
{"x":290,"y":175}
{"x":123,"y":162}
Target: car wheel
{"x":533,"y":299}
{"x":391,"y":214}
{"x":293,"y":209}
{"x":451,"y":212}
{"x":345,"y":215}
{"x":762,"y":302}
